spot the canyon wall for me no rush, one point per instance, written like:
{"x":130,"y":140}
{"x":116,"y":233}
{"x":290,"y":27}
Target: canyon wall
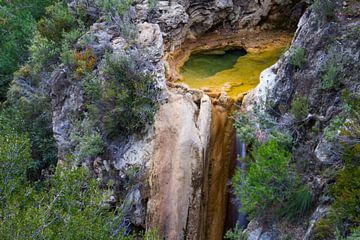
{"x":186,"y":154}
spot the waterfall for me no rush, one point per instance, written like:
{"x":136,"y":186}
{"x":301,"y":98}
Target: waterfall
{"x":241,"y":154}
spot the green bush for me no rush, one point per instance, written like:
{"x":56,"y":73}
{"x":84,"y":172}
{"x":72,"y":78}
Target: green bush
{"x":128,"y":96}
{"x":329,"y":79}
{"x":324,"y":230}
{"x":299,"y":203}
{"x":298,"y":57}
{"x":267,"y":180}
{"x":58,"y":19}
{"x":245,"y":128}
{"x":44,"y":53}
{"x":347,"y":194}
{"x":355,"y":234}
{"x":326,"y":7}
{"x":236,"y":234}
{"x":299,"y":108}
{"x":114,"y":6}
{"x":152,"y":4}
{"x":17,"y":24}
{"x":87,"y":139}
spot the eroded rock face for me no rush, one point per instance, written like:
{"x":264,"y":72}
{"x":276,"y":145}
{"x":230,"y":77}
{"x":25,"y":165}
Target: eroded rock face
{"x":191,"y":19}
{"x":181,"y":141}
{"x":186,"y":153}
{"x":283,"y":82}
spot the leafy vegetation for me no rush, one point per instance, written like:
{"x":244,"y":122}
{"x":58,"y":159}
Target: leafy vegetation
{"x":245,"y":128}
{"x":236,"y":234}
{"x":299,"y":108}
{"x":330,"y":77}
{"x":298,"y":57}
{"x":326,"y":7}
{"x":266,"y":179}
{"x":17,"y":26}
{"x":128,"y":98}
{"x":344,"y":214}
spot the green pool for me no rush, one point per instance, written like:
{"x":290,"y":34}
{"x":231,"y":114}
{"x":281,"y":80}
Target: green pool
{"x":232,"y":71}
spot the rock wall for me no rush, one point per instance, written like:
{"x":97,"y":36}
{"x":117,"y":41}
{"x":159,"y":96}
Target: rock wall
{"x":186,"y":153}
{"x":322,"y":39}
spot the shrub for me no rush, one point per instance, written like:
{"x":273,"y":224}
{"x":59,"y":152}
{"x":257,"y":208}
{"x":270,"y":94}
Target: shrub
{"x":298,"y":57}
{"x":299,"y":203}
{"x":245,"y":128}
{"x":324,"y":230}
{"x":329,"y":78}
{"x":347,"y":194}
{"x":87,"y":139}
{"x":267,"y":180}
{"x":299,"y":108}
{"x":44,"y":53}
{"x":58,"y":19}
{"x":355,"y":234}
{"x":152,"y":4}
{"x":236,"y":234}
{"x":17,"y":24}
{"x":128,"y":96}
{"x":114,"y":6}
{"x":326,"y":7}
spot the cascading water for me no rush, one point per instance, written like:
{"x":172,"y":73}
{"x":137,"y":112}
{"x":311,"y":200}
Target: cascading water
{"x":234,"y":216}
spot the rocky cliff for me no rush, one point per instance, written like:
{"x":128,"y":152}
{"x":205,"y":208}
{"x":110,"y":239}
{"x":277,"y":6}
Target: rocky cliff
{"x":185,"y":157}
{"x":328,"y":41}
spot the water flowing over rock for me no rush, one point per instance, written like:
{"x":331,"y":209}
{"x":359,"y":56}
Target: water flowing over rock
{"x":186,"y":155}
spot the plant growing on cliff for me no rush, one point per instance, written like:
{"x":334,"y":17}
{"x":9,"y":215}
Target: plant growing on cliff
{"x":267,"y":179}
{"x":326,"y":7}
{"x":87,"y":139}
{"x":329,"y":79}
{"x":245,"y":128}
{"x":128,"y":98}
{"x":17,"y":24}
{"x":299,"y":108}
{"x":298,"y":57}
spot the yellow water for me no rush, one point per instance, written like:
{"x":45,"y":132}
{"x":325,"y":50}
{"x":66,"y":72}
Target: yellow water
{"x":231,"y":72}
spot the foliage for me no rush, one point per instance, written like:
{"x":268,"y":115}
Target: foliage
{"x":128,"y":99}
{"x":58,"y":19}
{"x":329,"y":78}
{"x":33,"y":118}
{"x":88,"y":141}
{"x":114,"y":6}
{"x":324,"y":230}
{"x":151,"y":235}
{"x":347,"y":194}
{"x":43,"y":52}
{"x":299,"y":108}
{"x":68,"y":206}
{"x":333,"y":129}
{"x":355,"y":234}
{"x":245,"y":128}
{"x":326,"y":7}
{"x":152,"y":4}
{"x":17,"y":24}
{"x":299,"y":203}
{"x":236,"y":234}
{"x":267,"y":180}
{"x":298,"y":57}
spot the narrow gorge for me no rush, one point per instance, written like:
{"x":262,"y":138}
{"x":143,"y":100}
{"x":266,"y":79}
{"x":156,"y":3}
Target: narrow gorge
{"x":193,"y":119}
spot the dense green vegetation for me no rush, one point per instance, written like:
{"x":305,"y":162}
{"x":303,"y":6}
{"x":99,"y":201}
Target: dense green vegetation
{"x":269,"y":184}
{"x":17,"y":25}
{"x":344,"y":216}
{"x":127,"y":101}
{"x":40,"y":198}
